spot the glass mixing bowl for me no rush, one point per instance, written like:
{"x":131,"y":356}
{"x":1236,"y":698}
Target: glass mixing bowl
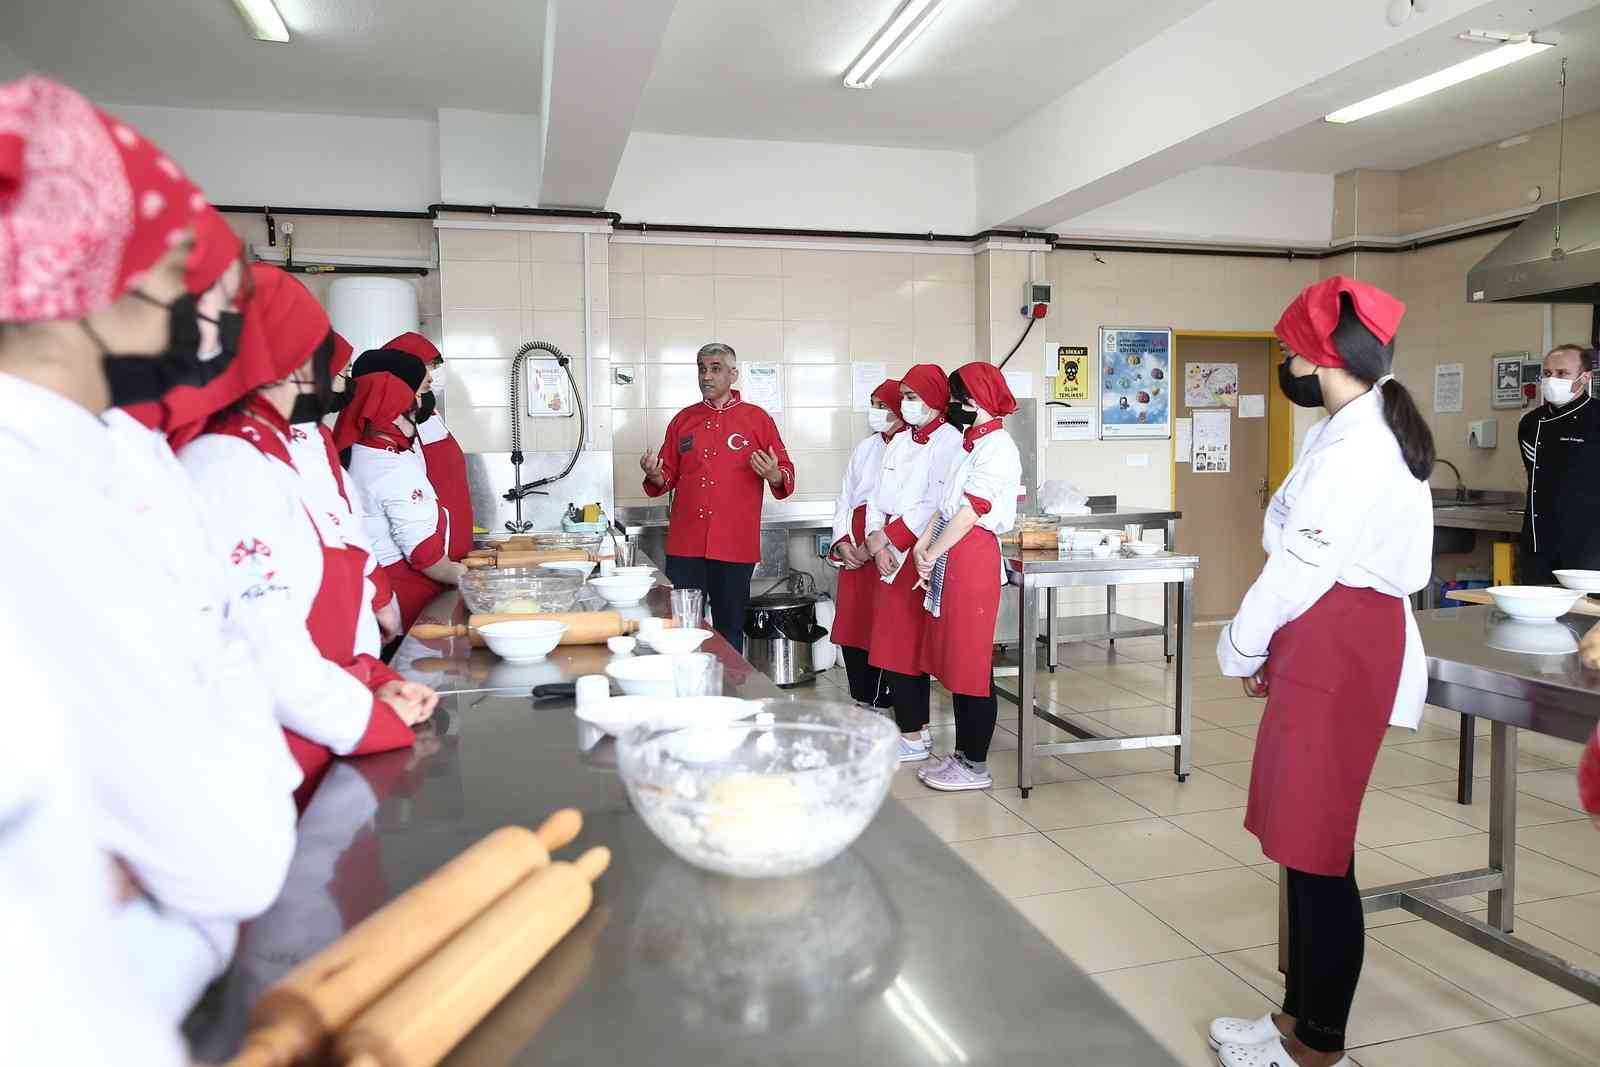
{"x":779,"y":792}
{"x":513,"y":590}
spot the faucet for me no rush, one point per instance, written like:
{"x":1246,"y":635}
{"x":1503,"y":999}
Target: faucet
{"x":1461,"y":486}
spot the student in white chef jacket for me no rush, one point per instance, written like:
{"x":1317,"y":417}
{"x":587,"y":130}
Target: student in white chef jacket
{"x":1326,"y":634}
{"x":906,"y":501}
{"x":93,"y":314}
{"x":858,"y":577}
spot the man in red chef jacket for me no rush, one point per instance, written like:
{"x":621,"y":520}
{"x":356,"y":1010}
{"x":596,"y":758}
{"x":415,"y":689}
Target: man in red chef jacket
{"x":717,"y":457}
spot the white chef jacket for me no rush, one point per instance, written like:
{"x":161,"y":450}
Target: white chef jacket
{"x":1351,"y":513}
{"x":269,"y":527}
{"x":310,"y":454}
{"x":181,"y":792}
{"x":992,"y":471}
{"x":403,"y":517}
{"x":434,"y":429}
{"x":861,"y":476}
{"x":912,"y":484}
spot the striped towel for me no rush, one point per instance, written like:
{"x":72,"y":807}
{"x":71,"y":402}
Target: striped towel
{"x":935,"y":596}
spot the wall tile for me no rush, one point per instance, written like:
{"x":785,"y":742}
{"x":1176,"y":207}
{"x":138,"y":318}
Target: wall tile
{"x":480,"y":383}
{"x":748,"y":298}
{"x":816,"y":342}
{"x":482,"y":244}
{"x":555,"y":435}
{"x":818,"y":474}
{"x":601,"y":438}
{"x":679,"y":259}
{"x":482,"y":284}
{"x":676,"y":340}
{"x":949,"y":346}
{"x":599,"y":247}
{"x":483,"y":430}
{"x":628,"y":431}
{"x":627,"y":294}
{"x":599,"y":286}
{"x":888,"y":344}
{"x":764,"y":262}
{"x":945,"y":268}
{"x":627,"y":340}
{"x":814,"y":297}
{"x":817,"y":385}
{"x":557,"y":247}
{"x":625,"y":258}
{"x":557,"y":287}
{"x":482,"y":334}
{"x":392,"y":237}
{"x":942,"y":302}
{"x":883,"y":300}
{"x":886,"y":266}
{"x":823,"y":428}
{"x":679,"y":296}
{"x":799,"y":262}
{"x":564,"y":329}
{"x":671,"y":385}
{"x":753,"y":340}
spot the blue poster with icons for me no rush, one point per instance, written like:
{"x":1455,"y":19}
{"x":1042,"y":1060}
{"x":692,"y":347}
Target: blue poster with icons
{"x":1135,"y":383}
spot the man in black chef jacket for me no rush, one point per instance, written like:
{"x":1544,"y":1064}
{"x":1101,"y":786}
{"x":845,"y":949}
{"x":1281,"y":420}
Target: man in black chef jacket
{"x":1560,"y":441}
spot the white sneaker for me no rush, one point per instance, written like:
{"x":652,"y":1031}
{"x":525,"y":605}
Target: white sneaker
{"x":1267,"y":1054}
{"x":935,"y":765}
{"x":957,"y":774}
{"x":1232,"y":1031}
{"x":912,"y":751}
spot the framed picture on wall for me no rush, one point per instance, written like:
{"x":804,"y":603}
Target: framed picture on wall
{"x":1135,"y":382}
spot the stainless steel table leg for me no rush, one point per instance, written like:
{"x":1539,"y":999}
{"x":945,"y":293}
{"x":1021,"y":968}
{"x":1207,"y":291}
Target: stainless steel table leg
{"x":1183,"y":704}
{"x":1111,"y":612}
{"x":1465,"y":759}
{"x":1503,"y":824}
{"x":1027,"y":724}
{"x":1167,"y":592}
{"x":1052,"y":650}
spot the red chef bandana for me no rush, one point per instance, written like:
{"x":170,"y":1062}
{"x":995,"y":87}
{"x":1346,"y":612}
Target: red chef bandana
{"x":930,"y":383}
{"x":341,"y":354}
{"x":888,"y":392}
{"x":987,"y":386}
{"x":86,"y":203}
{"x":418,"y":346}
{"x":379,"y":399}
{"x":215,"y":246}
{"x":1307,"y":325}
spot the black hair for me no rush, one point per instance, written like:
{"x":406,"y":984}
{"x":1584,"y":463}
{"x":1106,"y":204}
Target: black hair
{"x":1369,"y":359}
{"x":959,"y":394}
{"x":402,"y":365}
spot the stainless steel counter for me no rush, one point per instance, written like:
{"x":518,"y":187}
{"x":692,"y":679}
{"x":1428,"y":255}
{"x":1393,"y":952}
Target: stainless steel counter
{"x":1116,"y":517}
{"x":1494,"y":518}
{"x":896,"y":952}
{"x":775,"y":515}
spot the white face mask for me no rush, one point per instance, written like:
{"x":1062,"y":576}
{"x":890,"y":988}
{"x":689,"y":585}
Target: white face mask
{"x":1559,"y":391}
{"x":915,"y":412}
{"x":438,"y":390}
{"x":879,"y":419}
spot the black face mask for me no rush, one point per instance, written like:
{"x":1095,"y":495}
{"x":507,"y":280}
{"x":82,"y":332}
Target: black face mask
{"x":230,"y":325}
{"x":341,"y":399}
{"x":425,"y":408}
{"x":959,"y":417}
{"x":312,"y":406}
{"x":139,"y":379}
{"x":1304,"y":391}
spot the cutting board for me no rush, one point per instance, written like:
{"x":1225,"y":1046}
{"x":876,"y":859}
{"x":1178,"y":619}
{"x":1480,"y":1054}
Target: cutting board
{"x":1584,"y":606}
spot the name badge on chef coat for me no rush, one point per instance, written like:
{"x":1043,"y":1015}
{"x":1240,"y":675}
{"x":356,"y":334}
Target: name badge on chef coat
{"x":685,"y":444}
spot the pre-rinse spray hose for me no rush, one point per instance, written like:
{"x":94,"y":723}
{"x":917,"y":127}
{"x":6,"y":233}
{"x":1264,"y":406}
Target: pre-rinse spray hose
{"x":521,"y":489}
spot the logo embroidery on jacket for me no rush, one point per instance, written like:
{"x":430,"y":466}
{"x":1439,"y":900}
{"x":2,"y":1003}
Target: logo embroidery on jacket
{"x":737,"y":441}
{"x":255,"y":550}
{"x":416,"y":495}
{"x":685,"y":444}
{"x":1315,"y":537}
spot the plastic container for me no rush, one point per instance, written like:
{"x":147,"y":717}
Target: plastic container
{"x":518,"y":590}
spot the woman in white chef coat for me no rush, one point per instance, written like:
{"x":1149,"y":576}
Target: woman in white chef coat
{"x":98,"y":227}
{"x":1326,"y":634}
{"x":906,"y":501}
{"x":295,"y":582}
{"x":858,"y":576}
{"x":958,"y":560}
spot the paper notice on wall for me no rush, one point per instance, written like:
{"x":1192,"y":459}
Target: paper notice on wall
{"x":1206,"y":385}
{"x":1252,"y":405}
{"x":1213,"y":441}
{"x":548,"y":394}
{"x":1071,"y":424}
{"x":1448,"y":379}
{"x":762,"y":384}
{"x":864,"y":378}
{"x":1183,"y":450}
{"x":1020,"y":382}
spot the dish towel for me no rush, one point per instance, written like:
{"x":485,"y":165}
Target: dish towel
{"x":935,"y":596}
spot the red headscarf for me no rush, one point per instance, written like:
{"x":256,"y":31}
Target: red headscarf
{"x":341,"y":354}
{"x":379,"y":399}
{"x":987,"y":386}
{"x":86,"y":203}
{"x":930,"y":383}
{"x":417,"y":345}
{"x":1307,"y":325}
{"x":215,"y":246}
{"x":888,"y":392}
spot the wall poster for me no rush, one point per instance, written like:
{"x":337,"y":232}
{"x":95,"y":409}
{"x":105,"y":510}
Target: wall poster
{"x":1209,"y":385}
{"x":1068,"y":368}
{"x":1506,"y":386}
{"x":1135,"y":382}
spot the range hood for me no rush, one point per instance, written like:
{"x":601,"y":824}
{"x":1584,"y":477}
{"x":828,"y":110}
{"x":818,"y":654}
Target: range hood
{"x":1521,"y":268}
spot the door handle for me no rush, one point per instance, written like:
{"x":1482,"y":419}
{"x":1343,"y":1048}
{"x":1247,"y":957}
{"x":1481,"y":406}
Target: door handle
{"x":1261,"y":491}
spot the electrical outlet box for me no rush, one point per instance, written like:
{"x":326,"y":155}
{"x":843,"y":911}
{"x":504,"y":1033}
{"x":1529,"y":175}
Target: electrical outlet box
{"x":824,"y":545}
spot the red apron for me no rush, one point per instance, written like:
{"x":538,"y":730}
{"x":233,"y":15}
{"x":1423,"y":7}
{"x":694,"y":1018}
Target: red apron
{"x":412,"y":589}
{"x":898,"y":619}
{"x":858,"y":592}
{"x":958,"y":646}
{"x":1332,"y":676}
{"x":447,"y":473}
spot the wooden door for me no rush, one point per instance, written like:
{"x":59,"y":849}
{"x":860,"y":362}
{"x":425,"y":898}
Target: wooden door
{"x":1222,"y":511}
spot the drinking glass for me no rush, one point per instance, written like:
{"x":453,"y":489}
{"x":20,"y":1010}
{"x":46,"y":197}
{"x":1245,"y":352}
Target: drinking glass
{"x":688,"y":607}
{"x":625,"y":553}
{"x":698,"y":674}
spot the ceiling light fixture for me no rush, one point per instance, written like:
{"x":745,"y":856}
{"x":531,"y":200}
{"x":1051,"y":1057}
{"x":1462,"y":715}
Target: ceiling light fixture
{"x":906,"y":25}
{"x":263,"y":20}
{"x":1494,"y":59}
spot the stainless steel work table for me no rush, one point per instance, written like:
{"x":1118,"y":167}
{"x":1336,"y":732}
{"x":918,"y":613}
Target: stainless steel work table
{"x":1549,"y":694}
{"x":1033,"y":571}
{"x":895,"y":953}
{"x":1059,"y":631}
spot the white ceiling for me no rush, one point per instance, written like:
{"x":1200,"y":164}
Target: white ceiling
{"x":359,"y":57}
{"x":1517,"y":98}
{"x":773,"y":69}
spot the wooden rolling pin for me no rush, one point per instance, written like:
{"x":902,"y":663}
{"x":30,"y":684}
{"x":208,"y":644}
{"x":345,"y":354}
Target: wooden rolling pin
{"x":583,"y":627}
{"x":303,"y":1009}
{"x":530,"y":558}
{"x":416,"y":1023}
{"x":1032,"y":538}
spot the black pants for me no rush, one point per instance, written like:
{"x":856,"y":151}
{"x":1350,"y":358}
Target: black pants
{"x":868,"y":684}
{"x":1326,"y":946}
{"x":727,"y":587}
{"x":910,"y":695}
{"x":975,"y":719}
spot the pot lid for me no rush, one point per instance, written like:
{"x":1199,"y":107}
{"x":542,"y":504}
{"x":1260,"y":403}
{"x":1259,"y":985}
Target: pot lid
{"x":782,"y":601}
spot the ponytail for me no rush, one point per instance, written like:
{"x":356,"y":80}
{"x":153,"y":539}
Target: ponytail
{"x":1369,"y":360}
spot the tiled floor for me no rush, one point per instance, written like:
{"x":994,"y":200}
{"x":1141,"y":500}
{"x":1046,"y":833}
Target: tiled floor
{"x":1156,"y":889}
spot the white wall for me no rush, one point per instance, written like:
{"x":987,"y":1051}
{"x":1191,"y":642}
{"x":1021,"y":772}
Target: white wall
{"x":298,"y":160}
{"x":665,"y":178}
{"x":1239,"y":204}
{"x":11,"y":64}
{"x":489,"y":158}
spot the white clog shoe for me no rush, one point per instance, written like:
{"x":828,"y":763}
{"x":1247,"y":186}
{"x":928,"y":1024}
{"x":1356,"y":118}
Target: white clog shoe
{"x":1232,"y":1031}
{"x":1266,"y":1054}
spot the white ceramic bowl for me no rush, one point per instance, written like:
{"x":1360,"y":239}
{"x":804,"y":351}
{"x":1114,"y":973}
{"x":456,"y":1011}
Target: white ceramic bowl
{"x":1583,"y":581}
{"x":1142,"y":548}
{"x":1533,"y":603}
{"x":522,"y":640}
{"x":644,"y":676}
{"x":675,"y":642}
{"x":622,"y":590}
{"x":1531,"y":638}
{"x":618,"y":715}
{"x":1082,"y":541}
{"x":634,"y":572}
{"x":1101,"y":551}
{"x":622,"y":646}
{"x":580,"y":567}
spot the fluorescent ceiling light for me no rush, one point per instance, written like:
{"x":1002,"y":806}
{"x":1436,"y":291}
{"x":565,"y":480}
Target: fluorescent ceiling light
{"x":897,"y":35}
{"x":1493,"y":59}
{"x":263,"y":19}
